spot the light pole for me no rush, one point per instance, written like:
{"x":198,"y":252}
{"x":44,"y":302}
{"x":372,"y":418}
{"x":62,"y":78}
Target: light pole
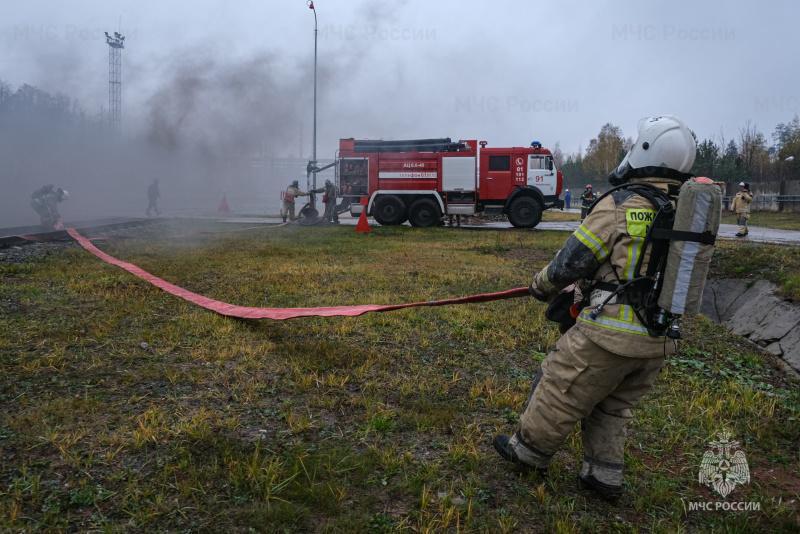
{"x":115,"y":45}
{"x":312,"y":165}
{"x":782,"y":191}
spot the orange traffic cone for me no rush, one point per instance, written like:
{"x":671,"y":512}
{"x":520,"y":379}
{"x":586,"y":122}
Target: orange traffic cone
{"x":363,"y":225}
{"x":223,"y":206}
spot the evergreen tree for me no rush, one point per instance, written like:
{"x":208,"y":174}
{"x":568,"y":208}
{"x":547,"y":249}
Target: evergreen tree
{"x":707,"y":159}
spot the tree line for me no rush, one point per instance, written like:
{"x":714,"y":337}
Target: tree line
{"x":32,"y":109}
{"x":748,"y":157}
{"x":38,"y":117}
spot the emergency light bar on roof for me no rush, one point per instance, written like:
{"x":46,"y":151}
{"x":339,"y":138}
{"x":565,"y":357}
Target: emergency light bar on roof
{"x":412,"y":145}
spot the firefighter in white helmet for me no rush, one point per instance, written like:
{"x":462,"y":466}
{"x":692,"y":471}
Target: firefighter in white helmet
{"x":292,"y":192}
{"x":602,"y":366}
{"x":741,"y":207}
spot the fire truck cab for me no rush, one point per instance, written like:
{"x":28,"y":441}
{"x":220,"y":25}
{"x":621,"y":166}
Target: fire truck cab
{"x":422,"y":180}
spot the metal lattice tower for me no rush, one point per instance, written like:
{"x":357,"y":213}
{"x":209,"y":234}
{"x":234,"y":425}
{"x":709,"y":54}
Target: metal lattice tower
{"x":115,"y":45}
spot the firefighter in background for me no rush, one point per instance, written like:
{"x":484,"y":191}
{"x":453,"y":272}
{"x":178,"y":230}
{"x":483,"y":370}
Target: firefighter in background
{"x":741,"y":207}
{"x":45,"y":201}
{"x":292,"y":192}
{"x":586,"y":200}
{"x":153,"y":194}
{"x":568,"y":199}
{"x":329,"y":199}
{"x":601,"y":368}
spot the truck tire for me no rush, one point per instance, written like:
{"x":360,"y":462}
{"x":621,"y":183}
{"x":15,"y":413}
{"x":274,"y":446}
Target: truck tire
{"x":424,"y":213}
{"x":389,"y":210}
{"x":525,"y":212}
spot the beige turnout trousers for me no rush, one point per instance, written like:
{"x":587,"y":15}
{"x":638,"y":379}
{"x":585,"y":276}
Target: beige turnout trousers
{"x":581,"y":381}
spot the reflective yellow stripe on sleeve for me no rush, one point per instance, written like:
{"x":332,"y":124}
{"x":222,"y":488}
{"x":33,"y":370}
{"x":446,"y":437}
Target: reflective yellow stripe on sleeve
{"x":594,"y":243}
{"x":545,"y":282}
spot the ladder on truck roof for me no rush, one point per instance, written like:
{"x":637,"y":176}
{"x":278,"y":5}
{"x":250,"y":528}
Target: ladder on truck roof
{"x":411,"y":145}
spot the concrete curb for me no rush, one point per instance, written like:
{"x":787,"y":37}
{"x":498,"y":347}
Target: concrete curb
{"x":753,"y":311}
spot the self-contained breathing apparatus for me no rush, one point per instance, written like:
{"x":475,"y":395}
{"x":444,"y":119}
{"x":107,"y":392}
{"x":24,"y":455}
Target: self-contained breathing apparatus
{"x":681,"y":241}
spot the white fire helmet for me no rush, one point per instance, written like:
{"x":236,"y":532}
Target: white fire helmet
{"x":63,"y":194}
{"x":663,"y":141}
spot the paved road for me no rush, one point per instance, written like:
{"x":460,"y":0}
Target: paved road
{"x":760,"y":235}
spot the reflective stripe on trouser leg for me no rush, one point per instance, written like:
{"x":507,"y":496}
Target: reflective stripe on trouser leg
{"x":742,"y":224}
{"x":604,"y":430}
{"x":528,"y":454}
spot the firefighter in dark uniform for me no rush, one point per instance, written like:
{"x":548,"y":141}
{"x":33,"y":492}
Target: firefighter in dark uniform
{"x":600,"y":369}
{"x":586,"y":200}
{"x":292,"y":192}
{"x":329,"y":199}
{"x":153,"y":194}
{"x":45,"y":201}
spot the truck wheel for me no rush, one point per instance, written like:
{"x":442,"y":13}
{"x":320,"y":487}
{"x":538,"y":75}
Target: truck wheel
{"x":525,"y":212}
{"x":389,"y":210}
{"x":424,"y":213}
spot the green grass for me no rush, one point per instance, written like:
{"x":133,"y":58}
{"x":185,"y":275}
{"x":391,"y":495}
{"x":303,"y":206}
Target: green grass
{"x":379,"y":423}
{"x":753,"y":261}
{"x":767,"y":219}
{"x":558,"y":215}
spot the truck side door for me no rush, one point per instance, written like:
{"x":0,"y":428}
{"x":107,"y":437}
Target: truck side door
{"x":498,"y":177}
{"x":542,"y":173}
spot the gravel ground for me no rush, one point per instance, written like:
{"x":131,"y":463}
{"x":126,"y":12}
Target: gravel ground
{"x":34,"y":251}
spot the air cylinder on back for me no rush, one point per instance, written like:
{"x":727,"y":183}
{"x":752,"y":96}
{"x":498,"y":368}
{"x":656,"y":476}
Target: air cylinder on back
{"x":698,"y":211}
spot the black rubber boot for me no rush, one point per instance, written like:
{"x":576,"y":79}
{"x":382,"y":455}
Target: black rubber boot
{"x":503,"y":448}
{"x":607,"y":492}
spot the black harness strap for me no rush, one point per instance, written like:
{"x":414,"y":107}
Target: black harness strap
{"x":707,"y":238}
{"x":645,"y":288}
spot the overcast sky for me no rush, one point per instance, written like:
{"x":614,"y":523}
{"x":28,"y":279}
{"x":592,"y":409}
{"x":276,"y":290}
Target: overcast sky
{"x":505,"y":71}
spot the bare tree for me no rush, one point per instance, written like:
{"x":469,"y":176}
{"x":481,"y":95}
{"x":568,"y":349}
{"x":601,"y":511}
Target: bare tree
{"x":754,"y":151}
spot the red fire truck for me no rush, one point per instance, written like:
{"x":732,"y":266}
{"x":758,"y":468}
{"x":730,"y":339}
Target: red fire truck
{"x":422,"y":180}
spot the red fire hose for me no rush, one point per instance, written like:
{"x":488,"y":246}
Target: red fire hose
{"x":280,"y":314}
